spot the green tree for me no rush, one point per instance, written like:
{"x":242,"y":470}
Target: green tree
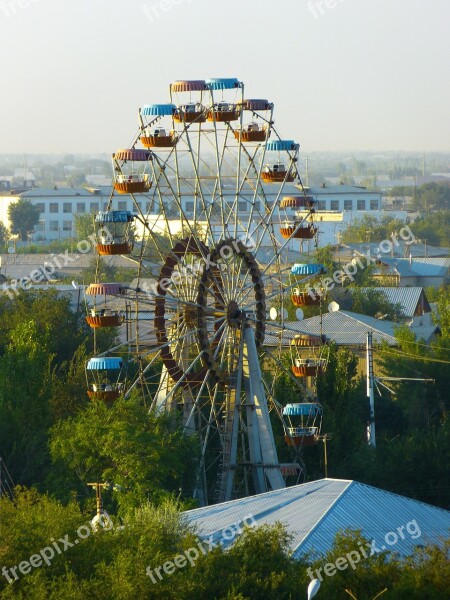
{"x":373,"y":303}
{"x":345,"y":410}
{"x":141,"y":452}
{"x":24,"y":217}
{"x":25,"y":373}
{"x":77,"y":178}
{"x":84,"y":226}
{"x":371,"y":229}
{"x":3,"y":234}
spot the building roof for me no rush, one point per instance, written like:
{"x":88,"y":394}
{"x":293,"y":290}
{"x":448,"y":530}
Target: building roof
{"x":407,"y":297}
{"x":57,"y":191}
{"x":343,"y":327}
{"x":399,"y":250}
{"x":314,"y":512}
{"x":419,"y":267}
{"x":319,"y":190}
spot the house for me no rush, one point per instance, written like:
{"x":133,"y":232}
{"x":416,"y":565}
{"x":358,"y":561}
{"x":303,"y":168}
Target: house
{"x":423,"y":272}
{"x":412,"y":300}
{"x":344,"y":328}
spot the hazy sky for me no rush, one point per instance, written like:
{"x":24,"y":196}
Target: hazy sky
{"x":365,"y":74}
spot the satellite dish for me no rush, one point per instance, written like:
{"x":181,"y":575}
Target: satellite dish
{"x":11,"y":250}
{"x":273,"y":313}
{"x":333,"y":307}
{"x":284,"y":314}
{"x":299,"y":314}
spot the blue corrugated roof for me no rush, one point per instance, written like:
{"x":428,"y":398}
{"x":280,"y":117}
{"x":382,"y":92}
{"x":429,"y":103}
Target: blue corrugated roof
{"x":314,"y":512}
{"x":407,"y":297}
{"x":419,"y":267}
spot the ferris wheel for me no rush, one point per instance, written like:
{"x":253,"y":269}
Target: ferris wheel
{"x":216,"y":212}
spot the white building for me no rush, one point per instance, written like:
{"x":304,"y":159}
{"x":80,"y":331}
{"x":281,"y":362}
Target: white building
{"x":58,"y":206}
{"x":336,"y":206}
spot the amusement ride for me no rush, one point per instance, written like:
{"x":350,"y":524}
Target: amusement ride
{"x":216,"y":207}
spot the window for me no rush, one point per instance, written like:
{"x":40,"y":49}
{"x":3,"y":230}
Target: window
{"x":54,"y":208}
{"x":334,"y":205}
{"x":40,"y":226}
{"x":40,"y":206}
{"x":81,"y":207}
{"x":54,"y":226}
{"x":189,"y":207}
{"x":95,"y":207}
{"x":242,"y":206}
{"x":67,"y":207}
{"x":258,"y":206}
{"x":348,"y":204}
{"x":361,"y":205}
{"x":67,"y":225}
{"x":374,"y":205}
{"x":322,"y":205}
{"x":122,"y":205}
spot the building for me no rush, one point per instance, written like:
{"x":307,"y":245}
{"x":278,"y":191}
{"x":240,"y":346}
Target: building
{"x":7,"y":197}
{"x":412,"y":300}
{"x":57,"y":207}
{"x":315,"y":512}
{"x":348,"y":329}
{"x":336,"y":207}
{"x":422,"y":272}
{"x":348,"y":198}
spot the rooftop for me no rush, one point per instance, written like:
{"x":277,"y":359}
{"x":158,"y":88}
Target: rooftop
{"x":314,"y":512}
{"x":343,"y":327}
{"x":408,"y":297}
{"x":419,"y":267}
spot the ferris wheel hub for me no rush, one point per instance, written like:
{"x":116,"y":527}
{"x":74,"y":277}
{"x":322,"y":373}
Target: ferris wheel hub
{"x":234,"y":314}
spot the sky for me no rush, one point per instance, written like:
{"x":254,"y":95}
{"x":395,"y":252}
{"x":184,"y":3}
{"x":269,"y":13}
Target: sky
{"x":343,"y":74}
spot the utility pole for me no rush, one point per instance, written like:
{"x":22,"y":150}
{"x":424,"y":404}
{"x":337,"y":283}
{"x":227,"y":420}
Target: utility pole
{"x":371,"y":440}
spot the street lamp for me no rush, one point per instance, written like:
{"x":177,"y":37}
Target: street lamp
{"x":313,"y":588}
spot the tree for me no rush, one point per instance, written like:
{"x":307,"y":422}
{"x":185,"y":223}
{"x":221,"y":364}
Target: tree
{"x":84,"y":226}
{"x":24,"y":217}
{"x":372,"y":302}
{"x":77,"y":179}
{"x":371,"y":229}
{"x":125,"y":444}
{"x":3,"y":234}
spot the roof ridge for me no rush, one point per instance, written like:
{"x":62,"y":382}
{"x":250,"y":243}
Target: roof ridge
{"x":349,"y":482}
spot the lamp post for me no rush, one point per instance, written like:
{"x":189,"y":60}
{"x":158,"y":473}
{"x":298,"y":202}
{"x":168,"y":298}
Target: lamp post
{"x":313,"y":588}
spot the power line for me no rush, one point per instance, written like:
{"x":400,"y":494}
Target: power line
{"x":436,"y":360}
